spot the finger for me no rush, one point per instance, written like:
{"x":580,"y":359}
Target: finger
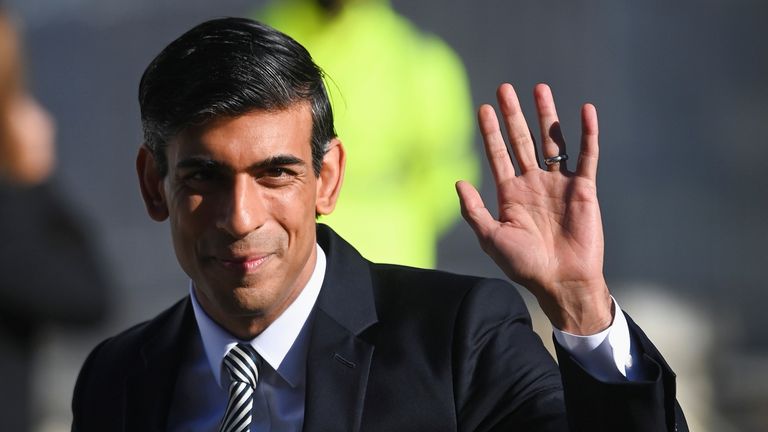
{"x":588,"y":155}
{"x":495,"y":147}
{"x":473,"y":210}
{"x":552,"y":141}
{"x":517,"y":129}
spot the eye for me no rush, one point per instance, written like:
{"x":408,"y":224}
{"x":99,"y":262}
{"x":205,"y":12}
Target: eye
{"x":276,"y":172}
{"x":199,"y":176}
{"x":277,"y":176}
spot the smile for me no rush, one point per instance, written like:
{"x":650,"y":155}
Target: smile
{"x":244,"y":264}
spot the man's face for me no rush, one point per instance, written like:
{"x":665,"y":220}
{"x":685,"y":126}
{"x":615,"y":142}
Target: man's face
{"x":241,"y":197}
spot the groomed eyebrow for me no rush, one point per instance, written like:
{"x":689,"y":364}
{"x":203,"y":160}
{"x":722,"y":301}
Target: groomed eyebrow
{"x":212,"y":164}
{"x":279,"y":160}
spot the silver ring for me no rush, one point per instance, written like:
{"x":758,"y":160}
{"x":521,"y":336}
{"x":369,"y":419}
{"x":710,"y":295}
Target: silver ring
{"x":556,"y":159}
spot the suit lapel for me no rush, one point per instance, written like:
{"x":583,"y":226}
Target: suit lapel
{"x":340,"y":352}
{"x":150,"y":388}
{"x":337,"y":376}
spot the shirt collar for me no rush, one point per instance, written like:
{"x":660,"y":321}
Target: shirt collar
{"x":274,"y":343}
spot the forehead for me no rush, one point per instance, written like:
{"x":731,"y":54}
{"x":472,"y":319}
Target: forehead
{"x":251,"y":136}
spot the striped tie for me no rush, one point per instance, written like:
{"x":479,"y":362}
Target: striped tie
{"x":241,"y":363}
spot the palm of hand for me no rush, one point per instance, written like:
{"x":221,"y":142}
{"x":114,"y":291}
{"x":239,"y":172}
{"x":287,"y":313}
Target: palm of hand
{"x":548,"y":232}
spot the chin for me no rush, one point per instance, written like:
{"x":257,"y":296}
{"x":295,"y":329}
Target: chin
{"x":248,"y":301}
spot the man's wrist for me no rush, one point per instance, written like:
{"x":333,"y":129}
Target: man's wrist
{"x":581,"y":311}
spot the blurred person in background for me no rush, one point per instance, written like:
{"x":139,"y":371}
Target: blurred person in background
{"x":49,"y":273}
{"x":407,"y":122}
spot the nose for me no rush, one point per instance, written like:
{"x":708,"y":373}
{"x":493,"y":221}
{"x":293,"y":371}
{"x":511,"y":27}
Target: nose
{"x":242,"y":210}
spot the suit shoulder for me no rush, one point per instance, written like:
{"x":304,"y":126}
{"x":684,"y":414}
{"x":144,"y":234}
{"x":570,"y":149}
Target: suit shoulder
{"x":126,"y":344}
{"x":115,"y":356}
{"x":101,"y":385}
{"x":446,"y":291}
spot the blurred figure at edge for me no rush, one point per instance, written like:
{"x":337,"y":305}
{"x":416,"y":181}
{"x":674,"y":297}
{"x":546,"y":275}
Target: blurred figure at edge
{"x":49,"y":273}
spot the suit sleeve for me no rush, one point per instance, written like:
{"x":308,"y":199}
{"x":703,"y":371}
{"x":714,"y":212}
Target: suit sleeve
{"x":505,"y":380}
{"x":639,"y":405}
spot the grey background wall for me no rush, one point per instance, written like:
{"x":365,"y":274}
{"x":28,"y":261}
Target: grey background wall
{"x":681,"y":91}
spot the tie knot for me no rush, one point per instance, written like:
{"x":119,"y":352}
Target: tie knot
{"x":242,"y":362}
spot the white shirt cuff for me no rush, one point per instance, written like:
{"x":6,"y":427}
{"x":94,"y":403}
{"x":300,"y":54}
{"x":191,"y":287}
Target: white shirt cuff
{"x":607,"y":355}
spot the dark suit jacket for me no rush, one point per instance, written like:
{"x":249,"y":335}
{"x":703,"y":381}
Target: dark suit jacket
{"x":393,"y":349}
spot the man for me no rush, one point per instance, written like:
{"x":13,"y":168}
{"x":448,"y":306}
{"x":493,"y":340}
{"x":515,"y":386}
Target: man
{"x":287,"y":327}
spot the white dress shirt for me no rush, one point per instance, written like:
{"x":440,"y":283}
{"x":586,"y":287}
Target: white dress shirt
{"x":200,"y":395}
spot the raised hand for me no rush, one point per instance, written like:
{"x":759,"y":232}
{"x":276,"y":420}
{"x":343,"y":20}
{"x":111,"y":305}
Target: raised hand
{"x":548,"y":236}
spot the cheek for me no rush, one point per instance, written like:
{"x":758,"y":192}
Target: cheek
{"x":294,"y":209}
{"x":189,"y":215}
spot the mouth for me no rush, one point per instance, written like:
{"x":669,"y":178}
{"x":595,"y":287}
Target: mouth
{"x":244,"y":264}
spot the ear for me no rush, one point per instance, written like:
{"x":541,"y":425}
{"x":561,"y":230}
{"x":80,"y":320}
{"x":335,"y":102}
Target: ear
{"x":331,"y":177}
{"x":151,"y":184}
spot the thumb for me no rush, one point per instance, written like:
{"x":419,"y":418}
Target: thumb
{"x":473,"y":209}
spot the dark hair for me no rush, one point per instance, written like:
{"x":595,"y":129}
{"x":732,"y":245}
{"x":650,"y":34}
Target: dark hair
{"x":228,"y":67}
